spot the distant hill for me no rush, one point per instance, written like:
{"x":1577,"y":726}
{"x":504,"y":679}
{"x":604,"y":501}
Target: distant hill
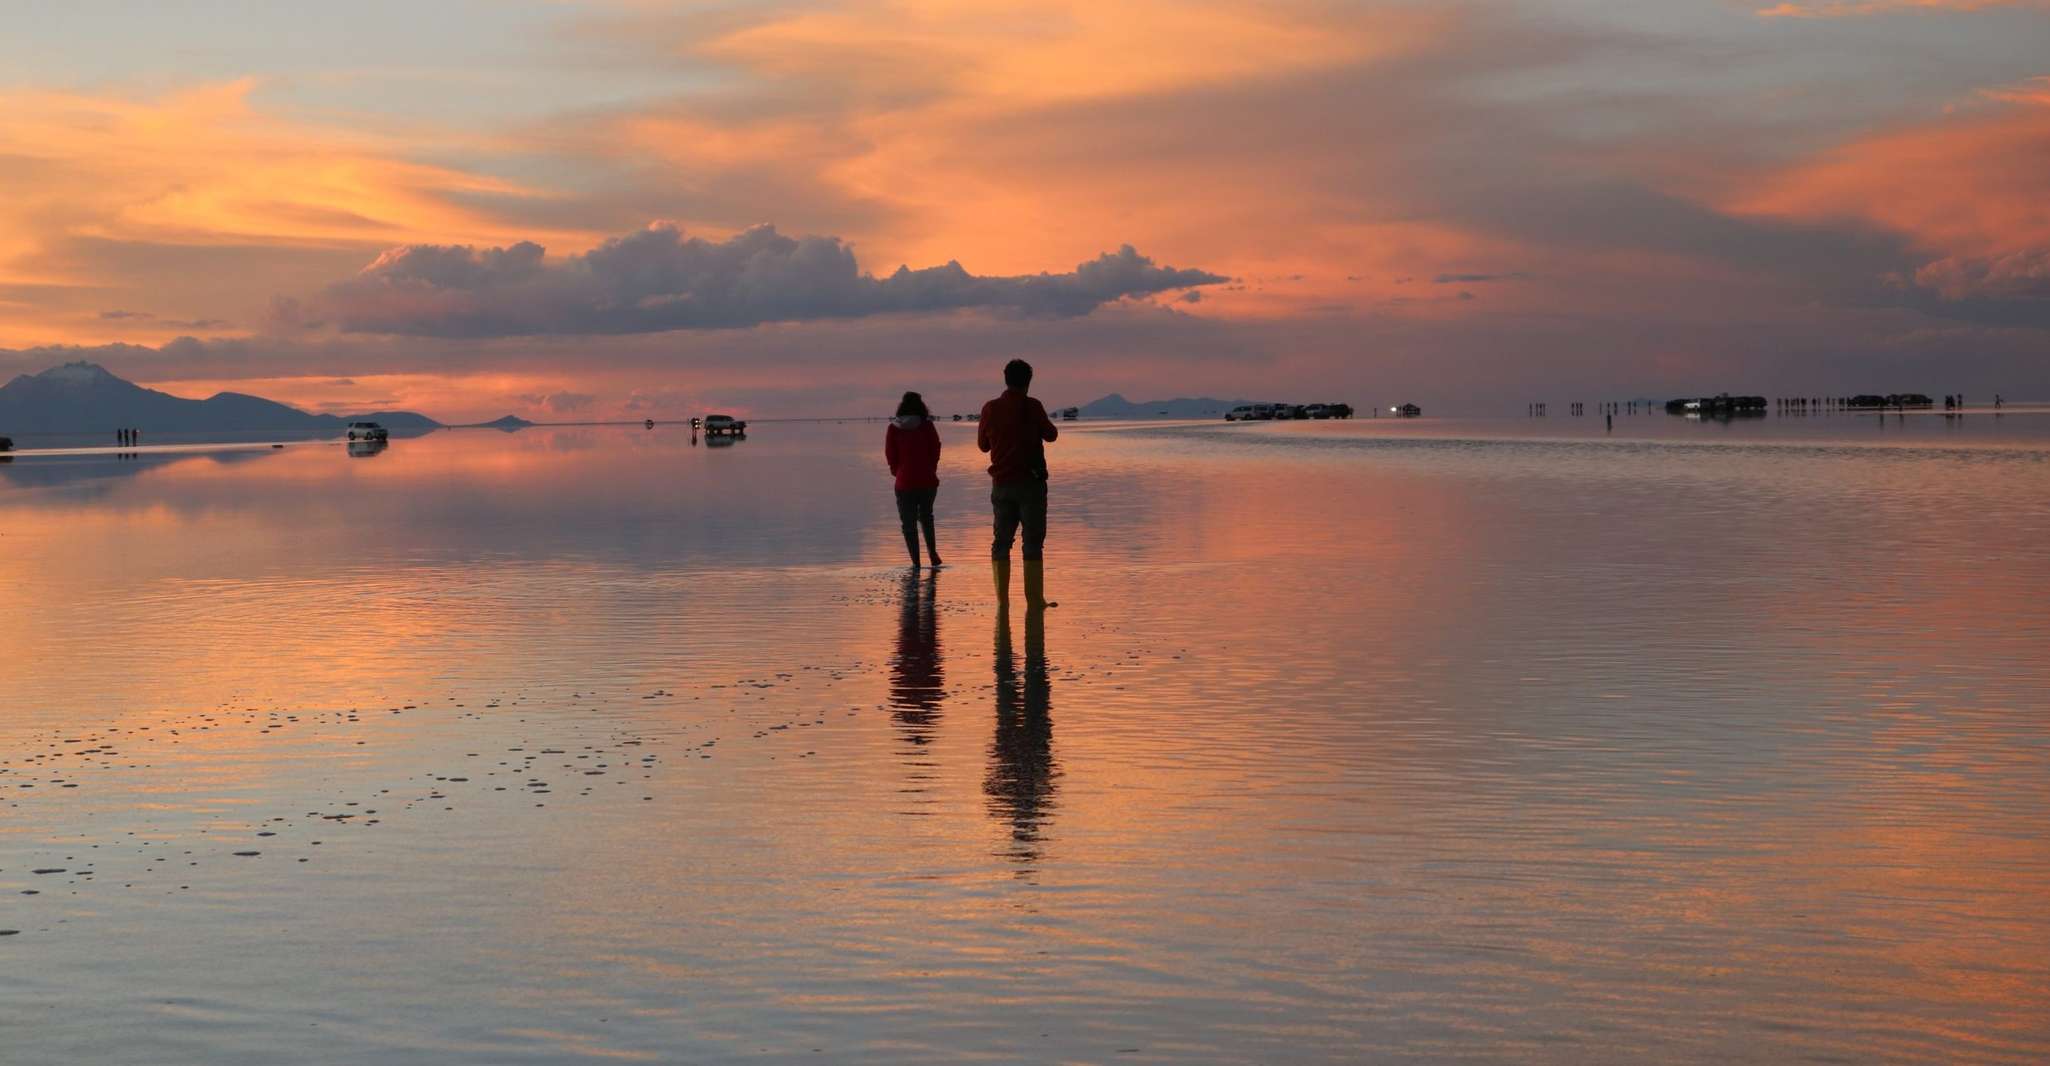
{"x":508,"y":423}
{"x":85,"y":398}
{"x":1116,"y":406}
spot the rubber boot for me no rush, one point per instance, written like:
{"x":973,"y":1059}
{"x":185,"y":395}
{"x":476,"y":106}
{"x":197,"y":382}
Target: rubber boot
{"x":1035,"y":585}
{"x":1001,"y":569}
{"x":911,"y":544}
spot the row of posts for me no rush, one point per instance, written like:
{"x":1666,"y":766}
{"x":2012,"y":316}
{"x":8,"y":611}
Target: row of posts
{"x":1790,"y":405}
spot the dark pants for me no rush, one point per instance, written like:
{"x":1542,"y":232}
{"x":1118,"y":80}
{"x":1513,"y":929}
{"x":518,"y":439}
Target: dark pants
{"x":914,"y":510}
{"x":1019,"y":503}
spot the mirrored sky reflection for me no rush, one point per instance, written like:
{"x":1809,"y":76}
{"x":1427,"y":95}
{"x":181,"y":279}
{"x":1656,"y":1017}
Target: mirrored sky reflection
{"x":1347,"y":741}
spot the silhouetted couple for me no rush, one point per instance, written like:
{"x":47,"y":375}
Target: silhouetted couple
{"x":1014,"y":430}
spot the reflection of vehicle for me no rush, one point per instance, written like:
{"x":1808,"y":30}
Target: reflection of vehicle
{"x":723,"y":440}
{"x":724,"y":426}
{"x":364,"y":449}
{"x":367,"y":431}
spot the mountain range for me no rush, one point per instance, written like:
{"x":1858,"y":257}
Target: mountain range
{"x":86,"y":398}
{"x":1116,"y":406}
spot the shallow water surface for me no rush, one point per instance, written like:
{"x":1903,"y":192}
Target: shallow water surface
{"x":1348,"y":741}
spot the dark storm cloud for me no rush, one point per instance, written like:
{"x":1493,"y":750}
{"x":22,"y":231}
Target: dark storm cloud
{"x":658,"y":279}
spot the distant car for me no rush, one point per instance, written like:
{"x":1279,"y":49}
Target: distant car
{"x":1241,"y":413}
{"x":1263,"y":412}
{"x":368,"y":431}
{"x":1339,"y":410}
{"x":722,"y":425}
{"x":1069,"y":414}
{"x":1316,"y":410}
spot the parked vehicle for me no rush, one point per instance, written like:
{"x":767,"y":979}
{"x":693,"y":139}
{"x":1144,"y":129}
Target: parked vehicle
{"x":1409,"y":410}
{"x":1339,"y":410}
{"x":368,"y":431}
{"x":724,"y":426}
{"x":1241,"y":413}
{"x":1316,"y":410}
{"x":1069,"y":414}
{"x":6,"y":444}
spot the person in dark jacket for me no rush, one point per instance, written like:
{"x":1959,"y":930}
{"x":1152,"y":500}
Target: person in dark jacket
{"x":912,"y":447}
{"x":1015,"y":431}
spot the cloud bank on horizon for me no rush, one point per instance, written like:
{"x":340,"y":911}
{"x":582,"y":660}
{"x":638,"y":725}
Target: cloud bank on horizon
{"x":1491,"y":200}
{"x":659,"y":280}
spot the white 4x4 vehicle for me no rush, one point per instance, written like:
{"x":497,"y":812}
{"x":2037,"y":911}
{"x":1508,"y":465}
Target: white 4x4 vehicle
{"x":368,"y":431}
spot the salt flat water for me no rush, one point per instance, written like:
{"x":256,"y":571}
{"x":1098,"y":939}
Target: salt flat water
{"x":1501,"y":741}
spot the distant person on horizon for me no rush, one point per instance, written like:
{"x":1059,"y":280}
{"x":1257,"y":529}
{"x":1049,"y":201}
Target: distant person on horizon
{"x":1015,"y":431}
{"x":912,"y":447}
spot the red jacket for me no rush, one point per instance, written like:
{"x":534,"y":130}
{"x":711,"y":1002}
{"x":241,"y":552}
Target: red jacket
{"x":1013,"y":431}
{"x":913,"y":454}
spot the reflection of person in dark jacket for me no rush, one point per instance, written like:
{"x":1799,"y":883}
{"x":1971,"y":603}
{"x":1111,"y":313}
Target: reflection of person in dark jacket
{"x":1015,"y":431}
{"x":1022,"y":776}
{"x":912,"y":447}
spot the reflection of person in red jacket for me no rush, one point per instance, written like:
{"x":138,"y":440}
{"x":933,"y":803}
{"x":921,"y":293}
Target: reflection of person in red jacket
{"x":912,"y":446}
{"x":1015,"y":431}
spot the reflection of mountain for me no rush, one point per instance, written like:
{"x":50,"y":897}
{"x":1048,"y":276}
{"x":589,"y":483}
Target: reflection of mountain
{"x":1022,"y":771}
{"x":509,"y":424}
{"x":83,"y":397}
{"x":50,"y":471}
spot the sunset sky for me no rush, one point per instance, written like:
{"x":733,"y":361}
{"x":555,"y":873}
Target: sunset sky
{"x":580,"y":210}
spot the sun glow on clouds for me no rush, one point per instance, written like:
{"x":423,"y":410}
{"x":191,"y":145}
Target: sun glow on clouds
{"x":1971,"y":191}
{"x":1451,"y":175}
{"x":203,"y":169}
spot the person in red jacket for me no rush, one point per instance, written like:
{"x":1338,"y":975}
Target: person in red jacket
{"x":1014,"y":430}
{"x":912,"y":447}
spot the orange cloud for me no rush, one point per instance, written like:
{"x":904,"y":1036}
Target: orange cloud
{"x":98,"y":187}
{"x":1969,"y":191}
